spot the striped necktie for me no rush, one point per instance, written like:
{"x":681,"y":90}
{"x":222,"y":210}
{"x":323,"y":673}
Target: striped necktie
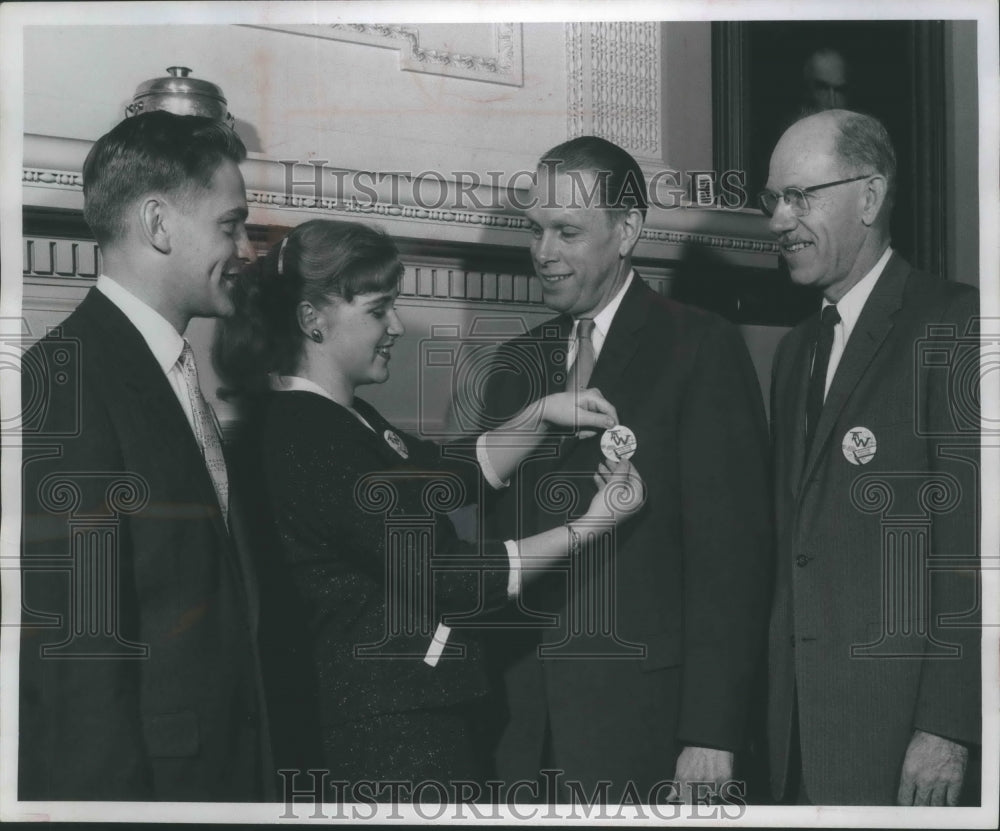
{"x":206,"y":430}
{"x":583,"y":365}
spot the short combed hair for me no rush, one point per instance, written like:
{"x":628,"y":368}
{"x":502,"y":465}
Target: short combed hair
{"x":620,"y":181}
{"x":154,"y":152}
{"x":863,"y":144}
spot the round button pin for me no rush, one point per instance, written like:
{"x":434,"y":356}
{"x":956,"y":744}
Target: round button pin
{"x":396,"y":443}
{"x":859,"y":445}
{"x":618,"y":442}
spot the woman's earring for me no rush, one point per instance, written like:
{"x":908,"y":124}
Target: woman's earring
{"x":316,"y":335}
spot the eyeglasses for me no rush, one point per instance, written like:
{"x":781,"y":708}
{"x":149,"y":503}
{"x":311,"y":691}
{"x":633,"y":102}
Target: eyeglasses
{"x":796,"y":197}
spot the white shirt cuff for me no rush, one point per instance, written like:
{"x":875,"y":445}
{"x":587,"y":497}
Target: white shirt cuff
{"x":514,"y":578}
{"x":438,"y":643}
{"x":489,"y":474}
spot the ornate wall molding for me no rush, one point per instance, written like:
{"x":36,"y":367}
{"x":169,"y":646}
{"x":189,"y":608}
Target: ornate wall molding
{"x":503,"y":66}
{"x":613,"y":85}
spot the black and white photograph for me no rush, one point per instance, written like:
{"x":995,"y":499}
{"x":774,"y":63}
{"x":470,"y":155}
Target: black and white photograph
{"x":522,"y":413}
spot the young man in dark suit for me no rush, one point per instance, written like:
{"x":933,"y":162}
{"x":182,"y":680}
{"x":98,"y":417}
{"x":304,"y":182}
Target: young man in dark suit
{"x":139,"y":671}
{"x":874,"y":643}
{"x":634,"y":667}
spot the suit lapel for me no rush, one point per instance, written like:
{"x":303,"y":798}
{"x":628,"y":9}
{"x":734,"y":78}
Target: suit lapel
{"x":869,"y":333}
{"x":622,"y":340}
{"x":143,"y":380}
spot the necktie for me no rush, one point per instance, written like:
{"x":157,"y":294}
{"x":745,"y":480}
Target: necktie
{"x":821,"y":362}
{"x":583,"y":365}
{"x":206,"y":430}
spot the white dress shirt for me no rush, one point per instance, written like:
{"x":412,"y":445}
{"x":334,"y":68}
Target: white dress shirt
{"x":602,"y":324}
{"x":850,"y":307}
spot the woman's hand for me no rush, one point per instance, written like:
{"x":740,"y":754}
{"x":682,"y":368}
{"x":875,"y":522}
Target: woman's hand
{"x":621,"y":493}
{"x":585,"y":411}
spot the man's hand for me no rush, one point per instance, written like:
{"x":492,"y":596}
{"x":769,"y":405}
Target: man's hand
{"x":933,"y":771}
{"x":702,"y":764}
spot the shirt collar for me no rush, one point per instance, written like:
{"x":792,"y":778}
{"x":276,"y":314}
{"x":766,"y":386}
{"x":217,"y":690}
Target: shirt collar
{"x":602,"y":320}
{"x":160,"y":336}
{"x":851,"y":304}
{"x":296,"y":383}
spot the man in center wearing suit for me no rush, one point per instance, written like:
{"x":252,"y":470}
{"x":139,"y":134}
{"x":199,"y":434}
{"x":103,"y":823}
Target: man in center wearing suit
{"x":139,"y":672}
{"x":874,"y":644}
{"x":642,"y":672}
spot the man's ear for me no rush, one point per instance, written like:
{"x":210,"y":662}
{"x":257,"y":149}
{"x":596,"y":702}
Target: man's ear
{"x":631,"y":227}
{"x":873,"y":198}
{"x":153,"y":218}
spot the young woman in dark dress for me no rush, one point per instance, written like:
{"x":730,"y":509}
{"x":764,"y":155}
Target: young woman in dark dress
{"x":365,"y":562}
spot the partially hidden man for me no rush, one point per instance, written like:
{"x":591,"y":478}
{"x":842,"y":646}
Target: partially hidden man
{"x":139,"y":666}
{"x":874,"y":692}
{"x":633,"y":667}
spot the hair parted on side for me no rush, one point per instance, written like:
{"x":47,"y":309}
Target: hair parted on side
{"x":153,"y":152}
{"x":863,"y":144}
{"x":320,"y":260}
{"x":621,"y":184}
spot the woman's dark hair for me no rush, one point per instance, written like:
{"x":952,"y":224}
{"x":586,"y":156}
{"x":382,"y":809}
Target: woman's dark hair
{"x":318,"y":261}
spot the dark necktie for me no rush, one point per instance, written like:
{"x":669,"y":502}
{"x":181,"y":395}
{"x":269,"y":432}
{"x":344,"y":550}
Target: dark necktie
{"x":821,"y":362}
{"x":583,"y":365}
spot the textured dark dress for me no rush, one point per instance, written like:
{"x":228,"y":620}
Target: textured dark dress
{"x":374,"y":563}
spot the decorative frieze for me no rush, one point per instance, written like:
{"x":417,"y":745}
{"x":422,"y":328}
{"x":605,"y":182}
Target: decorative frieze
{"x":503,"y":66}
{"x":613,"y":85}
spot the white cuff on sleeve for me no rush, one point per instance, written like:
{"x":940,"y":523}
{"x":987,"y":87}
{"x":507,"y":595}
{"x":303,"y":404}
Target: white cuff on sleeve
{"x":438,"y":643}
{"x":489,"y":474}
{"x":514,"y":578}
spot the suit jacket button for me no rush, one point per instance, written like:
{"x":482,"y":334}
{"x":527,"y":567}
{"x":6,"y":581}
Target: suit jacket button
{"x":802,"y":560}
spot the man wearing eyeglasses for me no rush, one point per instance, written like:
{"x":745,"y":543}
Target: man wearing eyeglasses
{"x":874,"y":647}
